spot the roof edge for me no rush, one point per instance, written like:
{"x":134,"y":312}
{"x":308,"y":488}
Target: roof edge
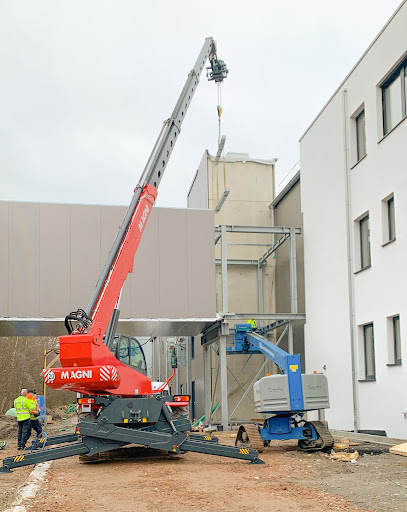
{"x":294,"y":180}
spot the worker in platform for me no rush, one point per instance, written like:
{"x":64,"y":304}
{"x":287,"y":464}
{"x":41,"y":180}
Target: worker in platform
{"x":23,"y":417}
{"x":34,"y":413}
{"x":252,"y":323}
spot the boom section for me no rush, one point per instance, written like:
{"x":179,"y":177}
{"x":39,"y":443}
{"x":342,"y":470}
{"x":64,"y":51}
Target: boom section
{"x":120,"y":259}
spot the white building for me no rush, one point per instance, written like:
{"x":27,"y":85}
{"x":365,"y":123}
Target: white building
{"x":354,"y":203}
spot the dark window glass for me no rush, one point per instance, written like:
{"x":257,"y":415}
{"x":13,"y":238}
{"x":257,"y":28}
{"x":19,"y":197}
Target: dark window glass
{"x":113,"y":348}
{"x":368,"y":340}
{"x":390,"y":214}
{"x":397,"y":340}
{"x":361,"y":135}
{"x":124,"y":351}
{"x":192,"y":348}
{"x":364,"y":242}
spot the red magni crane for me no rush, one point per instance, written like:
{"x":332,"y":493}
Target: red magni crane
{"x":117,"y":405}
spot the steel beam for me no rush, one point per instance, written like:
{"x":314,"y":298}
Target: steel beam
{"x":273,"y":248}
{"x":276,"y":230}
{"x":239,"y":262}
{"x":222,"y":199}
{"x":220,"y":149}
{"x":264,"y":316}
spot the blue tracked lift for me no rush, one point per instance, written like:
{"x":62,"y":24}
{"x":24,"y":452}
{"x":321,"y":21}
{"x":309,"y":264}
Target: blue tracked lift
{"x":284,"y":398}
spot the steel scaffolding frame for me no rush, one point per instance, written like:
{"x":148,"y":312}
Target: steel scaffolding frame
{"x":219,"y":331}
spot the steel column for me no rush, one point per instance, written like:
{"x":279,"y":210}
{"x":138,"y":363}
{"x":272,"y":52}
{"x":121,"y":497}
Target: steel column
{"x":188,"y":354}
{"x":223,"y":383}
{"x":224,"y":269}
{"x":207,"y":383}
{"x":290,"y":338}
{"x":260,"y":303}
{"x":293,"y":272}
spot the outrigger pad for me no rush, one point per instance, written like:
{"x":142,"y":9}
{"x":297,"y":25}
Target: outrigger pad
{"x":258,"y":461}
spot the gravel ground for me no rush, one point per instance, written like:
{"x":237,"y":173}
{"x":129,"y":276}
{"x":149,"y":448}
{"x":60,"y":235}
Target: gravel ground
{"x":150,"y":480}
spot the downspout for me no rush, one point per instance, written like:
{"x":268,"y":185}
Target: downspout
{"x":349,"y":247}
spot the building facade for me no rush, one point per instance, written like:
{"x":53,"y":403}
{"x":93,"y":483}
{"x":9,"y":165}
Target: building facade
{"x":354,"y":203}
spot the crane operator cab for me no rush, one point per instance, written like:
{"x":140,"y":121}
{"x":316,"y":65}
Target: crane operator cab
{"x":129,"y":351}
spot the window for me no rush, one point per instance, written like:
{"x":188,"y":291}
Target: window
{"x":394,"y":95}
{"x":360,"y":136}
{"x":396,"y":339}
{"x":124,"y":351}
{"x":368,"y":348}
{"x":136,"y":355}
{"x":192,"y":347}
{"x":390,"y":219}
{"x":365,"y":260}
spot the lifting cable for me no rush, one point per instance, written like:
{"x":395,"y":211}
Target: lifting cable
{"x":219,"y":109}
{"x":220,"y":112}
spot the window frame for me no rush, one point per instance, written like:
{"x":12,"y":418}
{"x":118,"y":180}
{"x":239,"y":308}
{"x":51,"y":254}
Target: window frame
{"x":360,"y":156}
{"x":399,"y":73}
{"x":391,"y":220}
{"x":367,"y":375}
{"x":369,"y":263}
{"x":397,"y":354}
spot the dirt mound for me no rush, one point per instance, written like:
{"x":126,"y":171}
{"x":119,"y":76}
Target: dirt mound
{"x":8,"y":427}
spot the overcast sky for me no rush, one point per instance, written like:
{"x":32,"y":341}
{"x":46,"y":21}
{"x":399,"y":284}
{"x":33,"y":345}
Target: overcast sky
{"x":85,"y":86}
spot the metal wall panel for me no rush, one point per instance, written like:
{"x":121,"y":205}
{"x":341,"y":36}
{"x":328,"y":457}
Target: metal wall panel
{"x":52,"y":254}
{"x":201,"y":276}
{"x":145,"y":280}
{"x":85,"y":253}
{"x":110,"y":222}
{"x":55,"y":259}
{"x":173,"y":286}
{"x":24,"y":260}
{"x":4,"y":261}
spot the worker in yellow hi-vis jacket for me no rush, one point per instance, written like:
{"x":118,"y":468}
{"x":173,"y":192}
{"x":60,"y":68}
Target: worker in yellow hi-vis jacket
{"x":23,"y":417}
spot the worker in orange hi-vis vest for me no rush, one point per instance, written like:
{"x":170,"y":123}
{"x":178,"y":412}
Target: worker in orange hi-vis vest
{"x":34,"y":413}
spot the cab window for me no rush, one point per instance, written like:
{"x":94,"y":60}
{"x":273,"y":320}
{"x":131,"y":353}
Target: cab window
{"x":124,"y":351}
{"x":136,"y":355}
{"x":114,"y":344}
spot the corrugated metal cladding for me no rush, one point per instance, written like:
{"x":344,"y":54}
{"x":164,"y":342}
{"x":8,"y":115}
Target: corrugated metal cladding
{"x":51,"y":256}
